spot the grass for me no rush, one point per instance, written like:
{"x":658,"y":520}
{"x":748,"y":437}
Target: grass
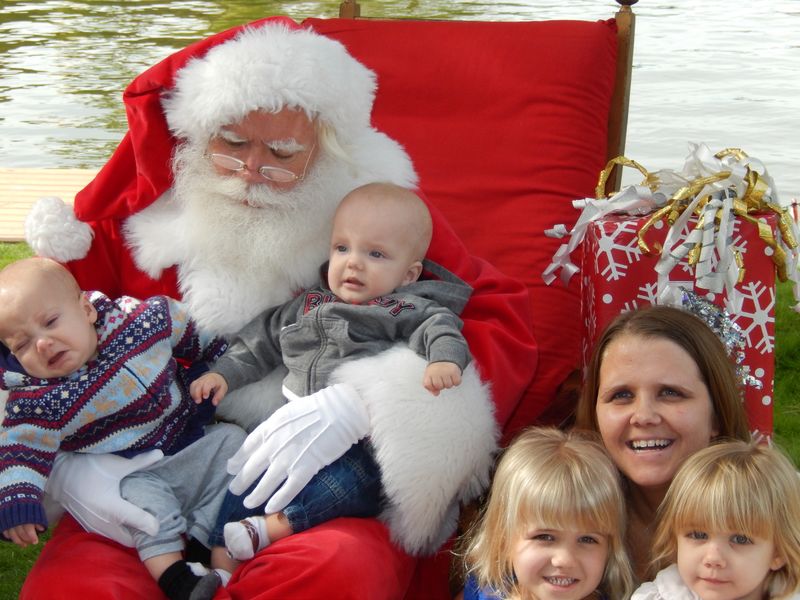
{"x":787,"y":377}
{"x":10,"y":252}
{"x":16,"y":562}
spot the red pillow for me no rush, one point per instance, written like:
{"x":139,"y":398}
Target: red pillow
{"x":506,"y":124}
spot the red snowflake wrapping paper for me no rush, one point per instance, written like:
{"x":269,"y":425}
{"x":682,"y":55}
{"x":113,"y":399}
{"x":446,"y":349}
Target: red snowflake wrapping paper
{"x":616,"y":276}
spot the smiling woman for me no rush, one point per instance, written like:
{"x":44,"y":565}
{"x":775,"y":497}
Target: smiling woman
{"x":659,"y":387}
{"x":653,"y":415}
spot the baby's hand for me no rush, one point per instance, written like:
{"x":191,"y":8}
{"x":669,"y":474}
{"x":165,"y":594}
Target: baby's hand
{"x":206,"y":385}
{"x":24,"y":535}
{"x":441,"y":375}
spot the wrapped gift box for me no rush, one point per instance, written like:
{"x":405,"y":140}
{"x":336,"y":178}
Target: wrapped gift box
{"x":617,"y":276}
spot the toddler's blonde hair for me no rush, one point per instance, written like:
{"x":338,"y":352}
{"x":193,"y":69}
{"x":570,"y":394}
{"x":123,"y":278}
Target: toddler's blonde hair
{"x":557,"y":480}
{"x":740,"y":487}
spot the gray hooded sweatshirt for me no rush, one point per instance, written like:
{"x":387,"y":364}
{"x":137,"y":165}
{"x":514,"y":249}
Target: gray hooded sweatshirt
{"x":313,"y":333}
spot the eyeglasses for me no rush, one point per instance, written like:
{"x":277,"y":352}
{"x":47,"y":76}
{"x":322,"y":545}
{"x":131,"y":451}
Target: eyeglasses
{"x":276,"y":174}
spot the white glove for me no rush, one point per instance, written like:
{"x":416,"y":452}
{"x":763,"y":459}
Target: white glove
{"x":295,"y":442}
{"x":87,"y":485}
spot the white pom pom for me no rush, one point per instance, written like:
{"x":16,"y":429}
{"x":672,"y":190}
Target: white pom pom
{"x":53,"y":231}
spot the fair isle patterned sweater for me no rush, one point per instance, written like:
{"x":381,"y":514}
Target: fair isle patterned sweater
{"x":131,"y":398}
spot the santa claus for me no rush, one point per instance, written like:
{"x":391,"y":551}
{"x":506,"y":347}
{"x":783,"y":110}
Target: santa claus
{"x":240,"y":148}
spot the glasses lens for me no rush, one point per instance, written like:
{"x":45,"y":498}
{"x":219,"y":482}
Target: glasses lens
{"x":277,"y":174}
{"x":227,"y":162}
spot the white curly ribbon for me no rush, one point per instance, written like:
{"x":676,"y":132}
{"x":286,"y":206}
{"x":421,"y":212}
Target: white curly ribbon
{"x":717,"y":189}
{"x":630,"y":201}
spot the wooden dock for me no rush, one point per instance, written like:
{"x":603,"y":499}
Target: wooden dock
{"x":20,"y":188}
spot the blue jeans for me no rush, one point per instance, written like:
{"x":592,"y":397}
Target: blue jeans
{"x":348,"y":487}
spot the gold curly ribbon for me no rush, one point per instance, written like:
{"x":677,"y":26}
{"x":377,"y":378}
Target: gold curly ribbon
{"x":712,"y":189}
{"x":753,"y":200}
{"x":621,"y":161}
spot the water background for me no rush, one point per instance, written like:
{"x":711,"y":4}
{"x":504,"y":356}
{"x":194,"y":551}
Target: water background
{"x":722,"y":72}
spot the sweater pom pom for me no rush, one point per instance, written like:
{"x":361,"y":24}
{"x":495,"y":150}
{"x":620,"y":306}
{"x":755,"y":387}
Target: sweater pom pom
{"x":52,"y":230}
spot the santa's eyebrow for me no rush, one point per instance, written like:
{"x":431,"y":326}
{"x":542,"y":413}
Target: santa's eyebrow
{"x":230,"y":136}
{"x":290,"y":145}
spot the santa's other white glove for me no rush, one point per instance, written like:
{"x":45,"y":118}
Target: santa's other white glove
{"x":87,"y":485}
{"x":295,"y":442}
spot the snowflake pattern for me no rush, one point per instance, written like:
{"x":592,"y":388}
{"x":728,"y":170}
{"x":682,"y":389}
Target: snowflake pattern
{"x":648,"y":292}
{"x":610,"y":245}
{"x":756,"y":316}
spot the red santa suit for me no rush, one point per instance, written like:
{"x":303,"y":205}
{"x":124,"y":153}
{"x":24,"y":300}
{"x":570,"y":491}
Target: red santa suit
{"x":434,"y":452}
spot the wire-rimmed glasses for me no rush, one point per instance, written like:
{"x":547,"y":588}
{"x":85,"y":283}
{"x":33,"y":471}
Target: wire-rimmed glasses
{"x":276,"y":174}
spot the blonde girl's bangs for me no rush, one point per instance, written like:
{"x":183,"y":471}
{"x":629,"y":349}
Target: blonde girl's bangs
{"x":568,"y":483}
{"x":724,"y":496}
{"x":571,"y":508}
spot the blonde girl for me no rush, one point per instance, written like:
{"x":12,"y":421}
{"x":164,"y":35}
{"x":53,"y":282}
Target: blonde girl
{"x":729,"y":527}
{"x":553,"y":525}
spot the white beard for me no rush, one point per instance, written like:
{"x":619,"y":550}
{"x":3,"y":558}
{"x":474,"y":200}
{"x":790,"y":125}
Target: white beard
{"x":247,"y":226}
{"x":234,"y":260}
{"x":249,"y":247}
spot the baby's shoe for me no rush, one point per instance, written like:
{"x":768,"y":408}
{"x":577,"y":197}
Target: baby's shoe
{"x":245,"y":538}
{"x":206,"y":587}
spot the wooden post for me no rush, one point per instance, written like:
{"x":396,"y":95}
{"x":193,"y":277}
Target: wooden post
{"x":349,"y":9}
{"x":618,"y":117}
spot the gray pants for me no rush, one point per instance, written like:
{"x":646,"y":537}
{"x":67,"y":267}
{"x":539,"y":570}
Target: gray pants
{"x":184,"y":491}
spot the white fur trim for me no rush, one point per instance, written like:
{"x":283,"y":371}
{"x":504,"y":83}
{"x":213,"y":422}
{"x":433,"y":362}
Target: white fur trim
{"x":53,"y":231}
{"x":155,"y":236}
{"x":434,"y":451}
{"x":269,"y":68}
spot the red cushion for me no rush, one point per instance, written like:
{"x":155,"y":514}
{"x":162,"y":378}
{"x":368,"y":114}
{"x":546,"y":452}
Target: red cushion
{"x":506,"y":124}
